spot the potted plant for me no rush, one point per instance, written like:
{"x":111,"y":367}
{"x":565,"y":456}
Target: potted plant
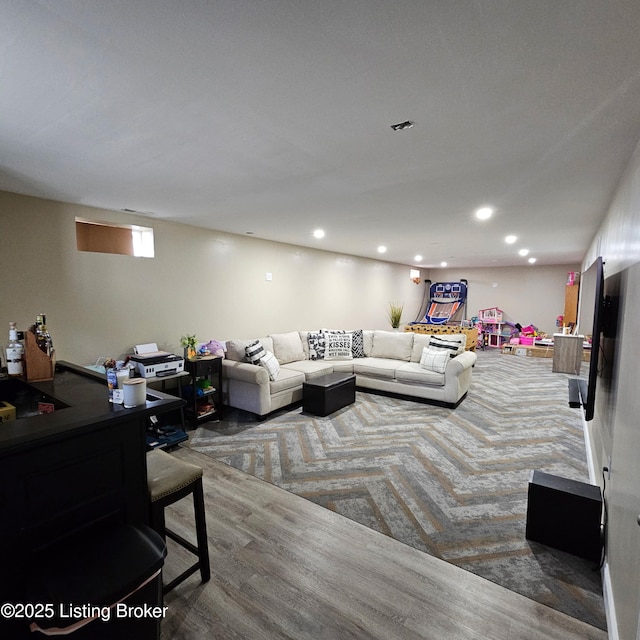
{"x":394,"y":313}
{"x":189,"y":343}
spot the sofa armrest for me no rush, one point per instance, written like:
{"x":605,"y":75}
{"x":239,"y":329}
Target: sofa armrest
{"x":462,"y":361}
{"x":245,"y":372}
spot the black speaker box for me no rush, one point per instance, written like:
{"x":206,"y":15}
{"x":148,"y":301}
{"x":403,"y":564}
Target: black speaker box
{"x":565,"y":514}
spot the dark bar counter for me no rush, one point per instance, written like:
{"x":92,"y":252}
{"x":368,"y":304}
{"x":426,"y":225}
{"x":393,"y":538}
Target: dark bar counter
{"x":70,"y":475}
{"x":82,"y":401}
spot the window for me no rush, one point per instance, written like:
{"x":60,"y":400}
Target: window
{"x":123,"y":239}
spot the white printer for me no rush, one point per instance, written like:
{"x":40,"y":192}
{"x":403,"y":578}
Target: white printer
{"x":151,"y":363}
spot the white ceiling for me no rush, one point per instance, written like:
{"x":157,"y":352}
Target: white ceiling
{"x":273,"y":117}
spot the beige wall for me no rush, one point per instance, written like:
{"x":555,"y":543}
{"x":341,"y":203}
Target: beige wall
{"x":203,"y":282}
{"x":527,"y":294}
{"x":214,"y":285}
{"x":614,"y":432}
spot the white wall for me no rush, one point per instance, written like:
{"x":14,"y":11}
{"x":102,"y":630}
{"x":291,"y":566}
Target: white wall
{"x":615,"y":430}
{"x":528,"y":294}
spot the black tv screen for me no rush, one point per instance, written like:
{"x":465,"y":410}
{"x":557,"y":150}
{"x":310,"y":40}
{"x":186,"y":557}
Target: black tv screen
{"x":590,"y":325}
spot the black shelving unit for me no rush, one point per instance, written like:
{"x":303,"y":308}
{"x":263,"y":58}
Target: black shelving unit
{"x":204,"y":394}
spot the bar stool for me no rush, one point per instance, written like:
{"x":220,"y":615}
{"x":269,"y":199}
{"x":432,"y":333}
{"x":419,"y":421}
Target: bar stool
{"x":170,"y":479}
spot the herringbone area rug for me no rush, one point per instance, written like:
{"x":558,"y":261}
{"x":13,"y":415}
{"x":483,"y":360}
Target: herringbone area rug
{"x":452,"y":483}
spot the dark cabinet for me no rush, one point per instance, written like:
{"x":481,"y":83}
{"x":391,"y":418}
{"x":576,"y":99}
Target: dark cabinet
{"x":204,"y":394}
{"x":74,"y":500}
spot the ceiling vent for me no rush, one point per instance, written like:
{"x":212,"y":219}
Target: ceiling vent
{"x":407,"y":124}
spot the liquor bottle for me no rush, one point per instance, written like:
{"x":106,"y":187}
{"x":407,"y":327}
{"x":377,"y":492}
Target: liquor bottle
{"x":48,"y":342}
{"x":15,"y":352}
{"x":43,"y":338}
{"x":37,"y":330}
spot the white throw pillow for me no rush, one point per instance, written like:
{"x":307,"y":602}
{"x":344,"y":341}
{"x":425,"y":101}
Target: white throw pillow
{"x":338,"y":346}
{"x":271,"y":364}
{"x":357,"y":341}
{"x":434,"y":359}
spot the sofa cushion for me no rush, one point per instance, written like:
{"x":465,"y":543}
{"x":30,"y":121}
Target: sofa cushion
{"x":392,"y":344}
{"x":383,"y":368}
{"x":367,"y":335}
{"x":271,"y":364}
{"x":287,"y":379}
{"x":310,"y":368}
{"x":236,"y":348}
{"x":338,"y":346}
{"x":434,"y":359}
{"x":342,"y":366}
{"x":287,"y":347}
{"x":413,"y":373}
{"x":254,"y":352}
{"x":420,"y":341}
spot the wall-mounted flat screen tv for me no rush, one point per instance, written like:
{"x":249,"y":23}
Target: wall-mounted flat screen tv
{"x":590,"y":325}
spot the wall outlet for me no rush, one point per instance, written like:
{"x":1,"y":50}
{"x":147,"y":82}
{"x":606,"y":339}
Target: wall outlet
{"x":268,"y":276}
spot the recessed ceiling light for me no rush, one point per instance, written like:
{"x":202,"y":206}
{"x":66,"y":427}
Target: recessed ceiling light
{"x":443,"y":264}
{"x":407,"y":124}
{"x":418,"y":258}
{"x":532,"y":260}
{"x":510,"y":239}
{"x":523,"y":252}
{"x":318,"y":233}
{"x":484,"y":213}
{"x":382,"y":249}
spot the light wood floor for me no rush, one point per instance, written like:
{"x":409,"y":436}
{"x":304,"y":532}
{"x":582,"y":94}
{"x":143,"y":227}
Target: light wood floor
{"x":283,"y":567}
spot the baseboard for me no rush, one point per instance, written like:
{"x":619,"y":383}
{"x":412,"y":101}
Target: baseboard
{"x":609,"y":605}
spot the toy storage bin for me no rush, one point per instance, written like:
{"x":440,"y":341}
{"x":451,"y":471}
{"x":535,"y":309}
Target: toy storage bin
{"x":528,"y":340}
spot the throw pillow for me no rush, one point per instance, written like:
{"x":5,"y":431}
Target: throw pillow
{"x":254,"y":352}
{"x":434,"y":359}
{"x":453,"y":345}
{"x":357,"y":341}
{"x":271,"y":364}
{"x":316,"y":343}
{"x":338,"y":346}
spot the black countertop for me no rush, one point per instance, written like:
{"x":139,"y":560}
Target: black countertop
{"x":86,"y":397}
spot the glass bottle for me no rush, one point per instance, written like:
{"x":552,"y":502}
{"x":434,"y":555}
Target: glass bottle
{"x":43,"y":338}
{"x":15,"y":352}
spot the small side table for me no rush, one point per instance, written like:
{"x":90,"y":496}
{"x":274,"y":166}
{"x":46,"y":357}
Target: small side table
{"x":204,"y":402}
{"x":567,"y":353}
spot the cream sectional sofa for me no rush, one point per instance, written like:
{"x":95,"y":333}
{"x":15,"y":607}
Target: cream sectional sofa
{"x":383,"y":361}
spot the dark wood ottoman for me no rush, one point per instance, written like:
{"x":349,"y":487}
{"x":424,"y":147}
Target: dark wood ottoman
{"x":325,"y":394}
